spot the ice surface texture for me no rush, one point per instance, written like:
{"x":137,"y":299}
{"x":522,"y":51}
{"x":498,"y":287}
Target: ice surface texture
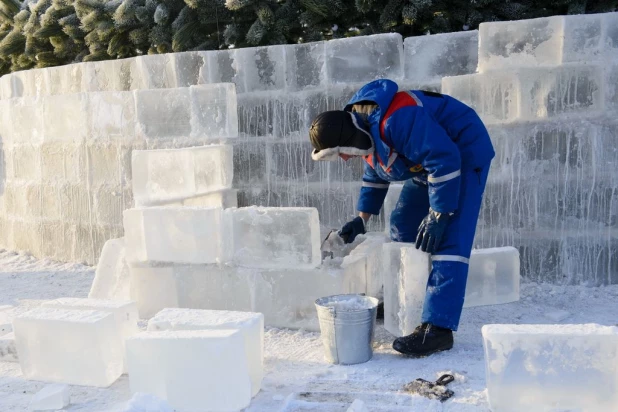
{"x":111,"y":279}
{"x":194,"y":369}
{"x":285,"y":296}
{"x":162,"y":176}
{"x":406,"y":272}
{"x":90,"y":352}
{"x":547,"y":41}
{"x":51,"y":397}
{"x":554,"y":366}
{"x":251,"y":326}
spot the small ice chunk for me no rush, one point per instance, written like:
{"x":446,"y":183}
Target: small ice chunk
{"x":493,"y":277}
{"x":371,"y":250}
{"x":276,"y":237}
{"x":175,"y":234}
{"x":191,"y":369}
{"x":250,"y":324}
{"x":557,"y":315}
{"x":143,"y":402}
{"x":89,"y":353}
{"x":390,"y":202}
{"x":358,"y":406}
{"x":51,"y":397}
{"x":406,"y":272}
{"x":8,"y":350}
{"x":557,"y":367}
{"x":111,"y":279}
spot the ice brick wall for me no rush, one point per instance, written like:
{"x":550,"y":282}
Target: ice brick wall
{"x":547,"y":90}
{"x":67,"y":132}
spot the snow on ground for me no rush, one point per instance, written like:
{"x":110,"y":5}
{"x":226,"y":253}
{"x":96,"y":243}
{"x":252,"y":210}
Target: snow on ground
{"x":296,"y":374}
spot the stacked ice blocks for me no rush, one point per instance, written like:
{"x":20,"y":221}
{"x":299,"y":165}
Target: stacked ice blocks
{"x":551,"y":367}
{"x":546,"y":88}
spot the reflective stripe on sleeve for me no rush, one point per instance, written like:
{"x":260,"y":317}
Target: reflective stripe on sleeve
{"x":376,"y":185}
{"x":450,"y":258}
{"x":444,"y":178}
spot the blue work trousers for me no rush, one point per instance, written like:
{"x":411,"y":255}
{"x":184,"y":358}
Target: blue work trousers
{"x":446,"y":287}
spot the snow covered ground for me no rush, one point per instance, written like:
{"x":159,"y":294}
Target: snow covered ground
{"x":297,"y":377}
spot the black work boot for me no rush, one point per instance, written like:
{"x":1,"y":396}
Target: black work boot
{"x":425,"y":340}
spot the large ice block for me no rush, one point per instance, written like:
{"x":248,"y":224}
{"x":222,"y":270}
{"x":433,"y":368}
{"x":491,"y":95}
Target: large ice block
{"x":57,"y":125}
{"x":111,"y":279}
{"x":276,"y":237}
{"x":406,"y":271}
{"x":305,"y":66}
{"x":429,"y":58}
{"x":125,"y":312}
{"x":551,"y":367}
{"x":89,"y":353}
{"x":153,"y":288}
{"x":285,"y":296}
{"x":111,"y":115}
{"x":364,"y":58}
{"x":532,"y":93}
{"x":214,"y":112}
{"x":546,"y":41}
{"x":163,"y":113}
{"x":250,"y":324}
{"x":64,"y":79}
{"x":191,"y":369}
{"x":166,"y":175}
{"x":262,"y":68}
{"x":107,"y":75}
{"x":176,"y":234}
{"x":27,"y":128}
{"x":493,"y":277}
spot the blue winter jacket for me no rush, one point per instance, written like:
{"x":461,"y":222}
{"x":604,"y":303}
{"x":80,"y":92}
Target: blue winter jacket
{"x":426,"y":135}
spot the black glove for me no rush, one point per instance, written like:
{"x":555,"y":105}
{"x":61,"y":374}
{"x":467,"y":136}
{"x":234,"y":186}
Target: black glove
{"x":431,"y":231}
{"x":353,"y":228}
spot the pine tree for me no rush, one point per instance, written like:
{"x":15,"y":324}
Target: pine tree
{"x":42,"y":33}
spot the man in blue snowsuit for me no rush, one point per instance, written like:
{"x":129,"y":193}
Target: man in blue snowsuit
{"x":441,"y":149}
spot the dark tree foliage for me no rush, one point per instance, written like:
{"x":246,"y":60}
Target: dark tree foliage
{"x":43,"y":33}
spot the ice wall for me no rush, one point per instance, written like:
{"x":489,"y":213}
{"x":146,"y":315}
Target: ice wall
{"x":545,"y":87}
{"x":67,"y":132}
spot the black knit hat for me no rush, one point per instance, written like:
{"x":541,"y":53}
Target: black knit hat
{"x":338,"y":132}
